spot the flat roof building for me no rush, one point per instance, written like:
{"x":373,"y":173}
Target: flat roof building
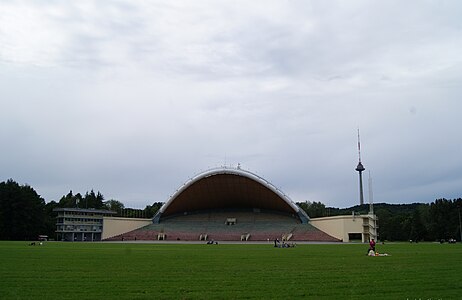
{"x":348,"y":228}
{"x":79,"y":224}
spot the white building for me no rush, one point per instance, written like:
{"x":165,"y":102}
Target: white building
{"x":78,"y":224}
{"x":349,"y":227}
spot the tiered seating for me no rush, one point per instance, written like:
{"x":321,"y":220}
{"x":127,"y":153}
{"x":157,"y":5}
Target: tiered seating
{"x":307,"y":232}
{"x":255,"y":226}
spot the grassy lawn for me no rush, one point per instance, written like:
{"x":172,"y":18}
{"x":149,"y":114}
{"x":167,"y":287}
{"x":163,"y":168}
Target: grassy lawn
{"x":172,"y":271}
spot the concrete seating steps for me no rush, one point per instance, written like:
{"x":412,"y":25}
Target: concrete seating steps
{"x":254,"y":226}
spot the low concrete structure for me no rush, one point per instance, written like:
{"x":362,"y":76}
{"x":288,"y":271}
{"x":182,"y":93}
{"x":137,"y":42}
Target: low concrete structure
{"x":349,"y":227}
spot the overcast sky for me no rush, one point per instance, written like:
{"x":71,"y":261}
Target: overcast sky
{"x":132,"y":98}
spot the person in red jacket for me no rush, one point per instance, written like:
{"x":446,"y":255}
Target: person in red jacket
{"x":372,"y":245}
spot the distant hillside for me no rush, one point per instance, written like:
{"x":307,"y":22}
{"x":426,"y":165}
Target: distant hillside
{"x":364,"y":209}
{"x":401,"y":222}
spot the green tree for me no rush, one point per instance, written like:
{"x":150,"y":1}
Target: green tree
{"x":114,"y":205}
{"x":417,"y":231}
{"x":50,"y":219}
{"x":313,"y":209}
{"x":70,"y":200}
{"x":385,"y":220}
{"x":151,"y":210}
{"x":22,"y":212}
{"x":92,"y":200}
{"x":444,"y":219}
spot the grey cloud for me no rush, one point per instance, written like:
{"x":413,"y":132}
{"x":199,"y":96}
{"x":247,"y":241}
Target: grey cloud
{"x":133,"y":98}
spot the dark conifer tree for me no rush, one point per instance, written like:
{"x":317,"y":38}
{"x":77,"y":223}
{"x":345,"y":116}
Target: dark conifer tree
{"x":22,"y":212}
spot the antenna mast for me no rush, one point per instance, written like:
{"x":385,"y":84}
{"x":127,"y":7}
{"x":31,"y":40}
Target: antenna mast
{"x":371,"y":196}
{"x":359,"y":147}
{"x":360,"y":168}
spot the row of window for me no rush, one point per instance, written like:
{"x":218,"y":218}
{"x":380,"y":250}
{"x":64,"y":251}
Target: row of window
{"x":79,"y":220}
{"x":78,"y":214}
{"x":79,"y":228}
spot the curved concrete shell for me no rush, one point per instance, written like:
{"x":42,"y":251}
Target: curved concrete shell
{"x":228,"y":188}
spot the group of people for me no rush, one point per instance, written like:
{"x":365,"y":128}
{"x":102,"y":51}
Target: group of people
{"x":371,"y":251}
{"x":284,"y":244}
{"x":36,"y":243}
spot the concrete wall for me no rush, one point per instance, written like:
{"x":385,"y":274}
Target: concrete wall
{"x":113,"y":226}
{"x":340,"y":226}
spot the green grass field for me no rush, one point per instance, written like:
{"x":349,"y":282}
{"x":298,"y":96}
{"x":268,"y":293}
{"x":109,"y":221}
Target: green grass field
{"x":228,"y":271}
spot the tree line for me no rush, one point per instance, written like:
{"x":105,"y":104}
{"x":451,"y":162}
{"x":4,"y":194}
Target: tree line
{"x":24,"y":214}
{"x":438,"y":220}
